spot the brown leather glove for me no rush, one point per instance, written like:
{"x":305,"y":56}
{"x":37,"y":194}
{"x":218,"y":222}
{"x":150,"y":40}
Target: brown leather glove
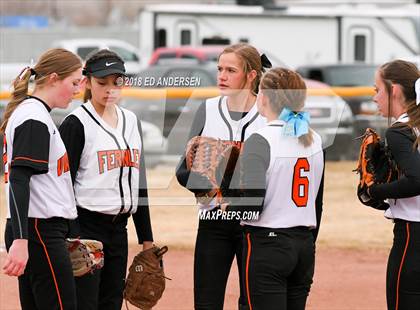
{"x":214,"y":159}
{"x":375,"y":167}
{"x":85,"y":255}
{"x":146,"y":278}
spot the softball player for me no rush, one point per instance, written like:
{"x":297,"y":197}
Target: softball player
{"x":232,"y":116}
{"x":397,"y":86}
{"x":39,"y":192}
{"x":105,"y":148}
{"x":282,"y":179}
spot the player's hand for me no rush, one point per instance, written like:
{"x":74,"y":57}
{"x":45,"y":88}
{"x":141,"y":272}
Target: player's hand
{"x":147,"y":245}
{"x":16,"y":258}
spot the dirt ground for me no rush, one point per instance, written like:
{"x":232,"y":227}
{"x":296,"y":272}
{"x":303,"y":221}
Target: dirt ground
{"x":351,"y":253}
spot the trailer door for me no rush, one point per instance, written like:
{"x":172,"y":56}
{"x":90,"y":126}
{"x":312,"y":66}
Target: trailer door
{"x":360,"y":44}
{"x":186,"y":33}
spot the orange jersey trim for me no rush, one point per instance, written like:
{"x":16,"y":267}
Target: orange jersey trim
{"x":30,"y":159}
{"x":248,"y":257}
{"x":401,"y":265}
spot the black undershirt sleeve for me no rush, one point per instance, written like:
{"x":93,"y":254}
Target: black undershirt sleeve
{"x":190,"y":180}
{"x":319,"y":201}
{"x":31,"y":148}
{"x":73,"y":135}
{"x":19,"y":193}
{"x":254,"y":163}
{"x":141,"y":217}
{"x":400,"y":141}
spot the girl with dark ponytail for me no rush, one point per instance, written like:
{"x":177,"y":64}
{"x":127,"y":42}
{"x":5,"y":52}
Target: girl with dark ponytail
{"x":397,"y":85}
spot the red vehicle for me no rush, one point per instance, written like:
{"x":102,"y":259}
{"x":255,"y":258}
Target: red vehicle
{"x":200,"y":53}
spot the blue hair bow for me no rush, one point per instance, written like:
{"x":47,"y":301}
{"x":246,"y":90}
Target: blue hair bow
{"x":297,"y":123}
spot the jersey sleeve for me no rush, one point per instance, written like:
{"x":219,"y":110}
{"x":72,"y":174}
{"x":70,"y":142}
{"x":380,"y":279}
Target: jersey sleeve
{"x":254,"y":163}
{"x":73,"y":135}
{"x":31,"y":146}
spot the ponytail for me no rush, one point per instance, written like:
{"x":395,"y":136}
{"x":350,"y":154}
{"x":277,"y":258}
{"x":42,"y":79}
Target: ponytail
{"x":307,"y":139}
{"x":20,"y":92}
{"x":56,"y":60}
{"x":286,"y":91}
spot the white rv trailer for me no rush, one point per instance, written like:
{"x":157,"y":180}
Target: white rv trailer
{"x":297,"y":35}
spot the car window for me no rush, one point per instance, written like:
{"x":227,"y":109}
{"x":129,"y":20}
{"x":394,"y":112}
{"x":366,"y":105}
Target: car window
{"x":188,"y":56}
{"x":83,"y":52}
{"x":181,"y":72}
{"x":316,"y":75}
{"x":205,"y":78}
{"x":350,"y":76}
{"x":165,"y":56}
{"x":149,"y":77}
{"x":126,"y":55}
{"x":176,"y":74}
{"x":212,"y":56}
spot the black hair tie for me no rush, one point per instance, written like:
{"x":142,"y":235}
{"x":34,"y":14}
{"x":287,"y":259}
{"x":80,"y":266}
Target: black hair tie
{"x":33,"y":72}
{"x":266,"y":63}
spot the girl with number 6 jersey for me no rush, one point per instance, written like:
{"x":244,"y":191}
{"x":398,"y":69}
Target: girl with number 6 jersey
{"x":282,"y":168}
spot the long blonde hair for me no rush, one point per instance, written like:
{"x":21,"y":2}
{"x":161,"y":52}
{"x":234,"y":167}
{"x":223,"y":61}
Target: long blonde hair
{"x":57,"y":60}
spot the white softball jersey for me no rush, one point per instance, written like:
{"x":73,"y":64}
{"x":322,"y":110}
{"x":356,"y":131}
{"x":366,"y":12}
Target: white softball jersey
{"x":51,"y":190}
{"x":220,"y":125}
{"x":107,"y":179}
{"x":293,"y":180}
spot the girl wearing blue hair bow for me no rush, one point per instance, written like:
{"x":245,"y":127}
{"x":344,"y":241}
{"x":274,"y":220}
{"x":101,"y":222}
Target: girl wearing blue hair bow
{"x":282,"y":179}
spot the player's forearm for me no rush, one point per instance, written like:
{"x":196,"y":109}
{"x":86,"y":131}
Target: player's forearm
{"x":142,"y":216}
{"x":182,"y":173}
{"x":19,"y":200}
{"x":319,"y":202}
{"x":143,"y":224}
{"x":400,"y":142}
{"x":403,"y":188}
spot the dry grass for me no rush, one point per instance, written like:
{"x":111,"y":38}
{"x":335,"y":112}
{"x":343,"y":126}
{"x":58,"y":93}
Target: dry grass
{"x":345,"y":224}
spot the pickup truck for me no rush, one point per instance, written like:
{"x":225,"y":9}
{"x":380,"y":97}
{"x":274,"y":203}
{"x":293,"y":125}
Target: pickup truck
{"x":363,"y":108}
{"x":83,"y":47}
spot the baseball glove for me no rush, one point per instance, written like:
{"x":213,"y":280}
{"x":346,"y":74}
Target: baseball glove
{"x":375,"y":166}
{"x":85,"y":255}
{"x":214,"y":159}
{"x":146,"y":278}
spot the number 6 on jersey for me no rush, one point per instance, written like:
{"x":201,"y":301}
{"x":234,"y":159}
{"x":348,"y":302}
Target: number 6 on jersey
{"x":300,"y":183}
